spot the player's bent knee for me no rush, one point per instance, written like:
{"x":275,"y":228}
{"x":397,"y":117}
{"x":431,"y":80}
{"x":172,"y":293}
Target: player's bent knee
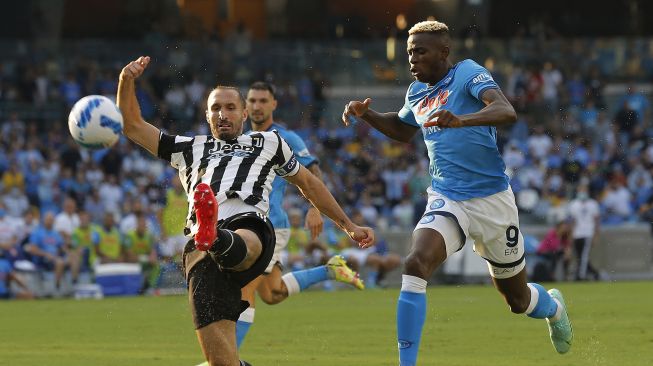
{"x":416,"y":265}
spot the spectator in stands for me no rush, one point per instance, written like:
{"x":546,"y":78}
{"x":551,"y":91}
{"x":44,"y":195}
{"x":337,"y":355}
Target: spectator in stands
{"x":111,"y":194}
{"x":172,"y":218}
{"x":110,"y":247}
{"x":85,"y":238}
{"x":303,"y":252}
{"x":80,"y":188}
{"x":637,"y":102}
{"x":70,"y":89}
{"x":66,"y":221}
{"x":9,"y":248}
{"x":49,"y":251}
{"x":402,"y":214}
{"x":616,"y":203}
{"x":94,"y":205}
{"x":16,"y":202}
{"x":133,"y":210}
{"x":539,"y":143}
{"x":554,"y":249}
{"x":13,"y":178}
{"x":7,"y":276}
{"x":626,"y":119}
{"x":586,"y":216}
{"x":140,"y":248}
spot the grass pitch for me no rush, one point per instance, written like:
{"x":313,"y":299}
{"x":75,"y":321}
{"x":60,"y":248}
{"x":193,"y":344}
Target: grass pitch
{"x":465,"y":326}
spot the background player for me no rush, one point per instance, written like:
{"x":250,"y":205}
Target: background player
{"x":239,"y":169}
{"x":457,"y":108}
{"x":272,"y":287}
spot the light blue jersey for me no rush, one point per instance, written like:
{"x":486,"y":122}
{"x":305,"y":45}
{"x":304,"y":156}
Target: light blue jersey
{"x":278,"y":215}
{"x":465,"y":162}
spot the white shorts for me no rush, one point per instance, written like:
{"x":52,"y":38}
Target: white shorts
{"x":283,"y":236}
{"x":491,"y":222}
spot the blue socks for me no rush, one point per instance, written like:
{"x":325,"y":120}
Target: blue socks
{"x":300,"y":280}
{"x":542,"y":305}
{"x":411,"y":313}
{"x":242,"y":325}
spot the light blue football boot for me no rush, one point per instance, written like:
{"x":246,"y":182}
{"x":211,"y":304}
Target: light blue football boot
{"x":561,"y":331}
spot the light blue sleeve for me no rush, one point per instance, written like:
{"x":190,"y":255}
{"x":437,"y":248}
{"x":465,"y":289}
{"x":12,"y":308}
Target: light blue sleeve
{"x":406,"y":114}
{"x":35,"y":238}
{"x":298,"y":147}
{"x":477,"y":79}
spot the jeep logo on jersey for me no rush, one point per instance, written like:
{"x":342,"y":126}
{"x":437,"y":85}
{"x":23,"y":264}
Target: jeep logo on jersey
{"x":235,"y":150}
{"x":433,"y":103}
{"x":437,"y":203}
{"x":481,"y":77}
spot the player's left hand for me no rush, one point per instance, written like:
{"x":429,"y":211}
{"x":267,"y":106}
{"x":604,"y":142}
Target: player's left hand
{"x":314,"y":222}
{"x":363,"y":235}
{"x":443,"y":119}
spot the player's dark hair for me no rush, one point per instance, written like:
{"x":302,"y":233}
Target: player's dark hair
{"x":229,"y":87}
{"x":263,"y":85}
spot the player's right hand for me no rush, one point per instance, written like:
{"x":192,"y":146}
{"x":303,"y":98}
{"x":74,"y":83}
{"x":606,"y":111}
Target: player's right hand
{"x":135,"y":68}
{"x":363,"y":235}
{"x":355,"y":109}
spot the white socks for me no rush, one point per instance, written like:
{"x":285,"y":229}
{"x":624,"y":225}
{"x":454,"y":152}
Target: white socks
{"x":247,"y":316}
{"x":413,"y":284}
{"x":291,"y":283}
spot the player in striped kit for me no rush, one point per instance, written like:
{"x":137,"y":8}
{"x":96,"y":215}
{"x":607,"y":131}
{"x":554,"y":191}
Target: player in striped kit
{"x":234,"y":171}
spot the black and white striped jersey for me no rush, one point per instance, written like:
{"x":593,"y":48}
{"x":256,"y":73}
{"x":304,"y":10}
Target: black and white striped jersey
{"x":241,"y":168}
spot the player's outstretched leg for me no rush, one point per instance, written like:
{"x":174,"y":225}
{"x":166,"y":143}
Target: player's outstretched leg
{"x":335,"y":269}
{"x":426,"y":254}
{"x":551,"y":306}
{"x":340,"y":271}
{"x":243,"y":324}
{"x":206,"y":211}
{"x":228,"y":248}
{"x":411,"y":314}
{"x":560,"y":330}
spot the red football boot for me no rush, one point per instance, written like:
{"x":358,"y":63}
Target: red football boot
{"x":206,"y":212}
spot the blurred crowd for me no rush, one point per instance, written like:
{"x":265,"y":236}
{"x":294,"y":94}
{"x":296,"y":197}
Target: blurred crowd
{"x":570,"y":137}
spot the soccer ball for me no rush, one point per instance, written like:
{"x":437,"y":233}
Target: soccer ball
{"x":95,"y":122}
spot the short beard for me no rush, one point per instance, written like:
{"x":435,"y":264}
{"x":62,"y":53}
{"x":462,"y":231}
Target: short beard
{"x":227,"y":136}
{"x":262,"y":121}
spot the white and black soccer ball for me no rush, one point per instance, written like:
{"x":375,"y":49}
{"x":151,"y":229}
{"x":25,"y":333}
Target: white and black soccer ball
{"x":95,"y":122}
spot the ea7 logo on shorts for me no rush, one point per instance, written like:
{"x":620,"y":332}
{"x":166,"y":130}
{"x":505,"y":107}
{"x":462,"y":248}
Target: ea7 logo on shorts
{"x":404,"y":344}
{"x":427,"y":219}
{"x":502,"y":271}
{"x":481,"y":77}
{"x":437,"y":203}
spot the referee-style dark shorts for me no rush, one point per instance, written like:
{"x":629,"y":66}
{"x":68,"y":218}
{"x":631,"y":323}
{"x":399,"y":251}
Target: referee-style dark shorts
{"x":214,"y":293}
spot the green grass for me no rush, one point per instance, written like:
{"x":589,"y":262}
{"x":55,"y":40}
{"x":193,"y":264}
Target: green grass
{"x":467,"y":326}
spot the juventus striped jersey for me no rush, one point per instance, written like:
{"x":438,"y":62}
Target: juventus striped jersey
{"x":241,"y":168}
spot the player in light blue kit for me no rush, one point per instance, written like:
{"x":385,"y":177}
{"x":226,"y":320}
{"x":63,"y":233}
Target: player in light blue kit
{"x":272,"y":287}
{"x":457,"y":108}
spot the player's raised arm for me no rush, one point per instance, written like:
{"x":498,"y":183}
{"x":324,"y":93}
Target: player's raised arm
{"x":135,"y":128}
{"x":497,"y":111}
{"x":317,"y":193}
{"x":388,"y":124}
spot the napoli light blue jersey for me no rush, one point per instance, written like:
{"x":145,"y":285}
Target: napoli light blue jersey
{"x":277,"y":214}
{"x":465,"y":162}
